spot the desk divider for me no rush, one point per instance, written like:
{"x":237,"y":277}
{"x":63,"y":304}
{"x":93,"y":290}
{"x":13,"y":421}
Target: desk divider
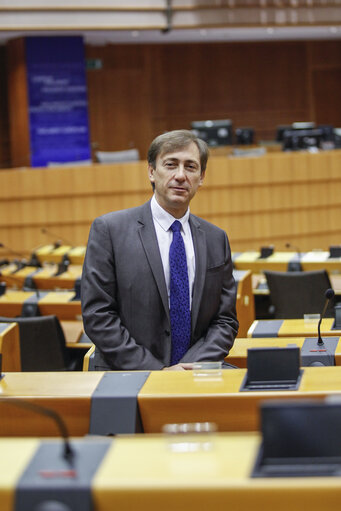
{"x":267,"y":328}
{"x":114,"y":406}
{"x":52,"y":482}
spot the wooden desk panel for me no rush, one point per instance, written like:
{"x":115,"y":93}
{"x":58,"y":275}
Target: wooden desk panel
{"x":183,"y":398}
{"x":245,"y":303}
{"x":185,"y":472}
{"x":67,"y":393}
{"x":278,"y":261}
{"x":15,"y":454}
{"x":294,"y":328}
{"x":166,"y":397}
{"x":214,"y":475}
{"x":10,"y":347}
{"x":57,"y":303}
{"x":12,"y":301}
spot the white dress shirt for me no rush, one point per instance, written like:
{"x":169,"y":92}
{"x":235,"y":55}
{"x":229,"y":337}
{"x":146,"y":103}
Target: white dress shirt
{"x":162,"y":222}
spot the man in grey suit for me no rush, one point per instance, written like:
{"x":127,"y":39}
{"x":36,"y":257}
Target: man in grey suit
{"x":126,"y":281}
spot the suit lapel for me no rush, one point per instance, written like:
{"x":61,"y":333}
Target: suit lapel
{"x":199,"y":242}
{"x":147,"y":234}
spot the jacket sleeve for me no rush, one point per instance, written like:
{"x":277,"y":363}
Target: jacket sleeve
{"x":100,"y":306}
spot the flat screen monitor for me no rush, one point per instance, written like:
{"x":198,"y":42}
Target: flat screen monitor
{"x":215,"y":133}
{"x":301,"y":429}
{"x":337,"y":137}
{"x":280,"y":132}
{"x":244,"y":136}
{"x":296,"y":140}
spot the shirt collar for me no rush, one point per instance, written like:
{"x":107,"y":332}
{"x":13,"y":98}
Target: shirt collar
{"x":165,"y":219}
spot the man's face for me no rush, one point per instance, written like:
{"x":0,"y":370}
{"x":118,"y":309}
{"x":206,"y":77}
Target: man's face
{"x":177,"y":176}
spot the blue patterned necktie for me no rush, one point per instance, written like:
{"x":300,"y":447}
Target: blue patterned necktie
{"x":180,"y":313}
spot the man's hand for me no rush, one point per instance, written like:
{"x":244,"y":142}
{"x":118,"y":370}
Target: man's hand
{"x":179,"y":367}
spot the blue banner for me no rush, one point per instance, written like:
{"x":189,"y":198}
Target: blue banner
{"x":58,"y":104}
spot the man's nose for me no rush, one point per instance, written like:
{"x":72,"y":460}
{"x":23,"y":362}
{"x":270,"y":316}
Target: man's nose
{"x":180,"y":172}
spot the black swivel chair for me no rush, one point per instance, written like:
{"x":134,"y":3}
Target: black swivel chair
{"x":42,"y":344}
{"x":294,"y":294}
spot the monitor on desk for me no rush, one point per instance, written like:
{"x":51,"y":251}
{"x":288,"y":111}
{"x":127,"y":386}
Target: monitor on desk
{"x":282,"y":129}
{"x":299,"y":439}
{"x":214,"y":133}
{"x":296,"y":140}
{"x":244,"y":136}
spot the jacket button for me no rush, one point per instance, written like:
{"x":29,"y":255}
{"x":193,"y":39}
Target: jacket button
{"x":167,"y":332}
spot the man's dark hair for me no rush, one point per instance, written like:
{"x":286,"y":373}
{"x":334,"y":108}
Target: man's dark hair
{"x":174,"y":141}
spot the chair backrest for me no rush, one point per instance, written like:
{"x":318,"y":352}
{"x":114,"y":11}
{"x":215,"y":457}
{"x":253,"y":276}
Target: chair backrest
{"x":88,"y":360}
{"x":294,"y":294}
{"x":42,"y":343}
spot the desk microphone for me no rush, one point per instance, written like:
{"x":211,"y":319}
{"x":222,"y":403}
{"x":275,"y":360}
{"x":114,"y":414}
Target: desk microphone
{"x":22,"y":262}
{"x":68,"y":452}
{"x":55,"y":236}
{"x":329,"y":295}
{"x":289,"y":245}
{"x":295,"y":264}
{"x":22,"y":284}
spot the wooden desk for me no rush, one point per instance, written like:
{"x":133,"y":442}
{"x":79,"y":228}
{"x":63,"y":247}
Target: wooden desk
{"x":57,"y":303}
{"x":43,"y":278}
{"x":245,"y":303}
{"x":181,"y":398}
{"x":52,"y":254}
{"x":279,"y":261}
{"x":68,"y":393}
{"x":165,"y":397}
{"x":291,"y":328}
{"x":238,"y":353}
{"x":199,"y":472}
{"x":215,"y":475}
{"x":10,"y":347}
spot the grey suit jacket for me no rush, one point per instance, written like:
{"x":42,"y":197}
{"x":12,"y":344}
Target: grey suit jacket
{"x":124,"y":296}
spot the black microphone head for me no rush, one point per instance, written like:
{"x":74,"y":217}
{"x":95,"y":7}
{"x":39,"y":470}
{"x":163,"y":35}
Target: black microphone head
{"x":329,"y":293}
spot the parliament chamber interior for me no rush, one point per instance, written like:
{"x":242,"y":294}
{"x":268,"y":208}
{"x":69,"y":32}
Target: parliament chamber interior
{"x":84,"y":88}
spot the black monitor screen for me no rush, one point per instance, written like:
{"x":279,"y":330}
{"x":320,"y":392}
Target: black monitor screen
{"x":244,"y":136}
{"x":271,"y":364}
{"x":215,"y":133}
{"x":298,"y":429}
{"x":295,"y":140}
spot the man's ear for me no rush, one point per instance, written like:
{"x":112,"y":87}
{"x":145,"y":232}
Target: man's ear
{"x":151,"y":173}
{"x":202,"y":177}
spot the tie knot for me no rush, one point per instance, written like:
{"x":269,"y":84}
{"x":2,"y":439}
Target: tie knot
{"x":176,"y":226}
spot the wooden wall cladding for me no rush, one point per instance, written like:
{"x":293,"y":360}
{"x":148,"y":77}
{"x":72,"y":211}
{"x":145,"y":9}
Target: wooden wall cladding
{"x":142,"y":90}
{"x":19,"y":133}
{"x":276,"y":198}
{"x":5,"y":160}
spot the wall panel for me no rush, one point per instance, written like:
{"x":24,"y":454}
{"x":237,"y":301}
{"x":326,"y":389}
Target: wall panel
{"x":301,"y":205}
{"x":142,"y":90}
